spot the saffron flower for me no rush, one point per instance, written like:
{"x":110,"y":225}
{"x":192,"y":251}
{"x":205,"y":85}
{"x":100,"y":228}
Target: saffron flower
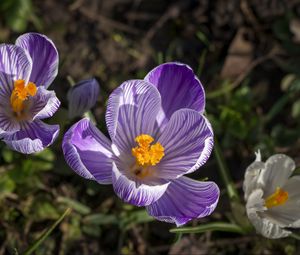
{"x":82,"y":97}
{"x":273,"y":196}
{"x":27,"y":68}
{"x":158,"y":134}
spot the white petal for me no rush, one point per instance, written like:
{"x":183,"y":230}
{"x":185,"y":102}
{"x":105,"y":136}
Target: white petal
{"x":256,"y":214}
{"x":251,"y":179}
{"x":278,"y":169}
{"x":288,"y":214}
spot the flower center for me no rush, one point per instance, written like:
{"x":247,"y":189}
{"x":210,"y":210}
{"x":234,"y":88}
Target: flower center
{"x":20,"y":94}
{"x":145,"y":153}
{"x":279,"y":197}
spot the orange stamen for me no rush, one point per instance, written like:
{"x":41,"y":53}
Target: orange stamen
{"x":20,"y":94}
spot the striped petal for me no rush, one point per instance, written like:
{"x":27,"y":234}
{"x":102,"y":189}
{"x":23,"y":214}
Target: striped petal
{"x":32,"y":137}
{"x":178,"y":87}
{"x":87,"y":151}
{"x":184,"y":200}
{"x":44,"y":104}
{"x":8,"y":124}
{"x":133,"y":192}
{"x":131,"y":111}
{"x":15,"y":63}
{"x":82,"y":97}
{"x":44,"y":57}
{"x":188,"y":142}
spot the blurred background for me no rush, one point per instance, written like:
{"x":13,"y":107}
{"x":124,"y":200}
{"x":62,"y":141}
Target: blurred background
{"x":247,"y":56}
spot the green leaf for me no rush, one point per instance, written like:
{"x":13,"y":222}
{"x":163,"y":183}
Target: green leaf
{"x":203,"y":38}
{"x":277,"y":107}
{"x":44,"y":160}
{"x":7,"y":155}
{"x":287,"y":81}
{"x":135,"y":217}
{"x":91,"y":230}
{"x":77,"y":206}
{"x":296,"y":109}
{"x":215,"y":226}
{"x":7,"y":185}
{"x":18,"y":13}
{"x":100,"y":219}
{"x":44,"y":210}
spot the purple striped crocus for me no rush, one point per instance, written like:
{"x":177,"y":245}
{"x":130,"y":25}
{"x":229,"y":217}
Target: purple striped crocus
{"x":157,"y":135}
{"x":27,"y":68}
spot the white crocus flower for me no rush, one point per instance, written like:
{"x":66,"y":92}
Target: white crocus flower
{"x":272,"y":196}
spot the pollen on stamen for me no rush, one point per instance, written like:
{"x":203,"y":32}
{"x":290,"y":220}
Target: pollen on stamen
{"x":20,"y":94}
{"x":145,"y":153}
{"x":279,"y":197}
{"x":31,"y":89}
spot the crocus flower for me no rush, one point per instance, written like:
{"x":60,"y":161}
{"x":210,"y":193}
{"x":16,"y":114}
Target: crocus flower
{"x":158,"y":134}
{"x":26,"y":71}
{"x":82,"y":97}
{"x":273,"y":196}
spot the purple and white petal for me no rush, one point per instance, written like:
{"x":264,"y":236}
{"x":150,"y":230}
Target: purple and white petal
{"x":82,"y":97}
{"x":32,"y":137}
{"x":133,"y":192}
{"x":15,"y":64}
{"x":44,"y":57}
{"x":278,"y":168}
{"x":8,"y":124}
{"x":184,"y":200}
{"x":87,"y":151}
{"x":131,"y":111}
{"x":179,"y":88}
{"x":43,"y":105}
{"x":188,"y":142}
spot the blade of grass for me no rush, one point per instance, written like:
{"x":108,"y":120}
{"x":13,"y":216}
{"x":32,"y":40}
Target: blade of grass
{"x":43,"y":237}
{"x":237,"y":208}
{"x":178,"y":237}
{"x":224,"y":172}
{"x":215,"y":226}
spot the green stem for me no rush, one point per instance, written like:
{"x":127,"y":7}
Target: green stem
{"x":71,"y":81}
{"x":237,"y":208}
{"x":215,"y":226}
{"x":224,"y":172}
{"x":42,"y":238}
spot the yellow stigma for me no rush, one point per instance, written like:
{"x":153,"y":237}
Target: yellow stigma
{"x":20,"y":94}
{"x":279,"y":197}
{"x":145,"y":153}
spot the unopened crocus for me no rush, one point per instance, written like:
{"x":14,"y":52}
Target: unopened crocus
{"x":158,"y":133}
{"x":82,"y":97}
{"x":27,"y":68}
{"x":273,"y":196}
